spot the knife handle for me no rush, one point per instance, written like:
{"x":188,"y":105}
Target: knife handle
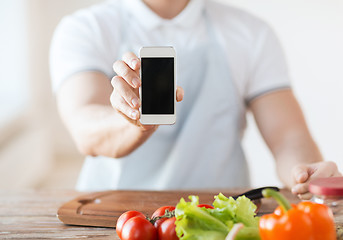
{"x":256,"y":193}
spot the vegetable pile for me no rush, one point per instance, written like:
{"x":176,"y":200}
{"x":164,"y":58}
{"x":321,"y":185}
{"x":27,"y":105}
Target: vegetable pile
{"x":228,"y":219}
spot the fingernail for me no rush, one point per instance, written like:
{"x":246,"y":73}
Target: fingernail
{"x":134,"y":114}
{"x":294,"y":190}
{"x":135,"y":82}
{"x":135,"y":102}
{"x":134,"y":63}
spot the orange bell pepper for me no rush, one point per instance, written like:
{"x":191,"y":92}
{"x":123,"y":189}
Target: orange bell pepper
{"x":305,"y":221}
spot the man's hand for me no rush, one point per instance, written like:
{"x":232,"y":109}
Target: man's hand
{"x":125,"y":95}
{"x":86,"y":102}
{"x":303,"y":174}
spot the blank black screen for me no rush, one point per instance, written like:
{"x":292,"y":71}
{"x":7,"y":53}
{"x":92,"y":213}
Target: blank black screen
{"x":157,"y":85}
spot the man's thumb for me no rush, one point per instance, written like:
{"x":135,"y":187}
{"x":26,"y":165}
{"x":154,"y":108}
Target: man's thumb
{"x":300,"y":173}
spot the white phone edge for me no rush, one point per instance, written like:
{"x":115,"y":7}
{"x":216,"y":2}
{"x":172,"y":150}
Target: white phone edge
{"x":159,"y":119}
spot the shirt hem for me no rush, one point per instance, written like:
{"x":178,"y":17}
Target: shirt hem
{"x":264,"y":92}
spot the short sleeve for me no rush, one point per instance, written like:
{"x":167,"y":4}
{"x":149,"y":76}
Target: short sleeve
{"x":76,"y":47}
{"x":268,"y":69}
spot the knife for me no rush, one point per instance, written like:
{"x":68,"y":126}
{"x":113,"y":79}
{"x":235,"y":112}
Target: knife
{"x":255,"y":194}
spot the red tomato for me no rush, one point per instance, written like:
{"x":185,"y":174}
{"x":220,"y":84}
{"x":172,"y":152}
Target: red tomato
{"x":160,"y":212}
{"x":166,"y":231}
{"x":205,"y":206}
{"x":123,"y":219}
{"x":138,"y":228}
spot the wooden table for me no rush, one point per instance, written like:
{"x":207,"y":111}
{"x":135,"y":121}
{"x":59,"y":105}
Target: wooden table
{"x":31,"y":214}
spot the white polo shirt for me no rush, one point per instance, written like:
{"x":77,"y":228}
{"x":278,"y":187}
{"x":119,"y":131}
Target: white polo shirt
{"x":251,"y":63}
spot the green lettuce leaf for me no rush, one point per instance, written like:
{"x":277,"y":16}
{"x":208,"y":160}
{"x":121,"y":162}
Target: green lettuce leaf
{"x":194,"y":223}
{"x":240,"y":211}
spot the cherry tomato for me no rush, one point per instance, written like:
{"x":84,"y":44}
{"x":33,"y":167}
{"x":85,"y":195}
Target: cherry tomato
{"x":138,"y":228}
{"x":123,"y":219}
{"x":205,"y":206}
{"x":166,"y":231}
{"x":160,"y":212}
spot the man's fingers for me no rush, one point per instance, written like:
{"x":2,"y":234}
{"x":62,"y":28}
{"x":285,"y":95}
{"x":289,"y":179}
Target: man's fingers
{"x":305,"y":196}
{"x":300,"y":188}
{"x":300,"y":173}
{"x":125,"y":91}
{"x":179,"y":94}
{"x":132,"y":60}
{"x":121,"y":106}
{"x":129,"y":75}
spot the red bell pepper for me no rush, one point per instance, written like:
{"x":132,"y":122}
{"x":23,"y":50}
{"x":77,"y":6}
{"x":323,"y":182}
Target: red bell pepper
{"x":305,"y":221}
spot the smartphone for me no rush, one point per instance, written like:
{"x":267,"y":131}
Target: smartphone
{"x":158,"y":88}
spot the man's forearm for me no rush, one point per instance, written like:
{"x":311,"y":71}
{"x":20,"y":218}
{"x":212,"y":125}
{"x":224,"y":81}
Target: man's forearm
{"x":100,"y":130}
{"x":84,"y":104}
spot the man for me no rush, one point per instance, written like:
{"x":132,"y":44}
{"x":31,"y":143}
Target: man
{"x":229,"y":62}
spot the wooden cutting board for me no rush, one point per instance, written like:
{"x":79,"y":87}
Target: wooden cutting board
{"x":103,"y":208}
